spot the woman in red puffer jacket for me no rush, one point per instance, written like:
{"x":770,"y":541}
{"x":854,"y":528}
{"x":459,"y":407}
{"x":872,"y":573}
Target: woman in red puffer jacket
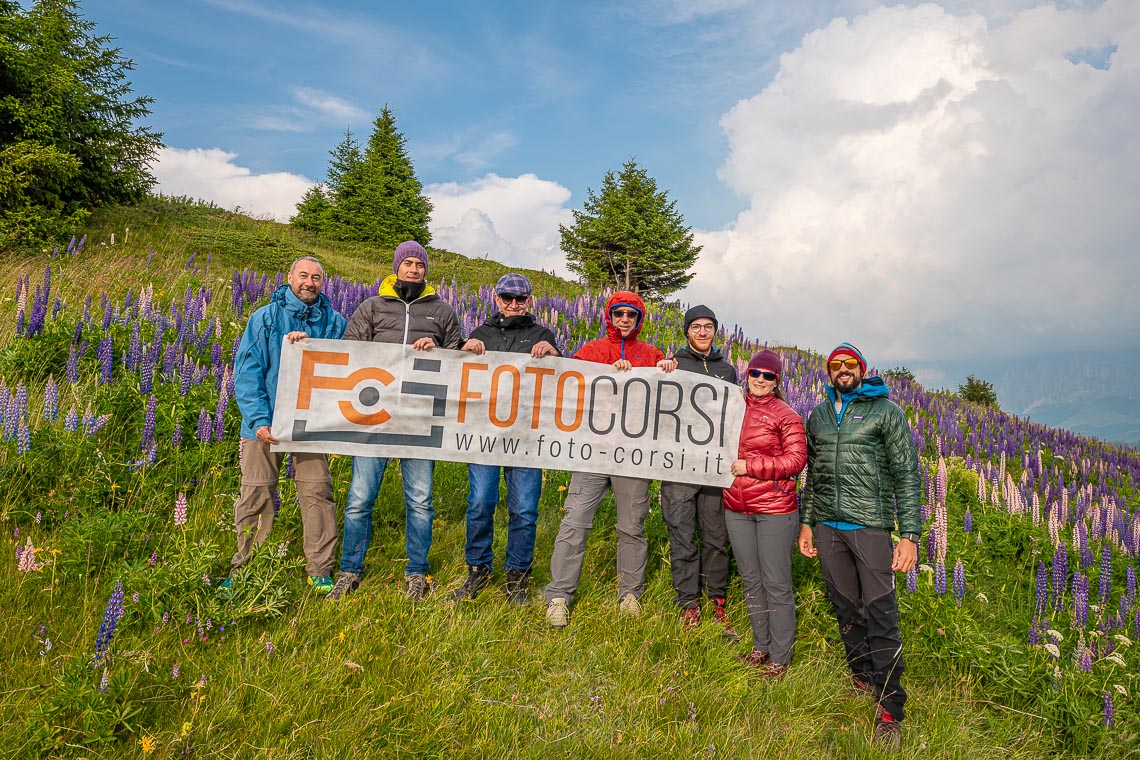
{"x":762,"y":514}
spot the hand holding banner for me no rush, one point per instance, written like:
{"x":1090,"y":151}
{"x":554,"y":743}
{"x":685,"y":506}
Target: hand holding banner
{"x":383,"y":399}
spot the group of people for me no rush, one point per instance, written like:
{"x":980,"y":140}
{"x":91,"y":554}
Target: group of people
{"x":861,"y":482}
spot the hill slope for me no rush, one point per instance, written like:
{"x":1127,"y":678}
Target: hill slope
{"x":1015,"y":660}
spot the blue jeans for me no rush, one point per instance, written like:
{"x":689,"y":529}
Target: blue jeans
{"x":524,"y":486}
{"x":367,"y":475}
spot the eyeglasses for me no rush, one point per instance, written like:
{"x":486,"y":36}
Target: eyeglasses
{"x":849,"y":363}
{"x":624,"y":314}
{"x":769,"y":376}
{"x":702,"y":328}
{"x":514,"y":299}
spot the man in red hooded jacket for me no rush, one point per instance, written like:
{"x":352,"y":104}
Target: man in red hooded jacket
{"x":625,"y":313}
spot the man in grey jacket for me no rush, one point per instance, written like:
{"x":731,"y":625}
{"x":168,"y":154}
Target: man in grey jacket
{"x":406,"y":311}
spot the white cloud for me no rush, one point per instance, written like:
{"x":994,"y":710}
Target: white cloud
{"x":329,"y":105}
{"x":211,"y":174}
{"x":510,"y":219}
{"x":928,"y":184}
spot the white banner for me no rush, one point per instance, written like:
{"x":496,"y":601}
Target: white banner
{"x":389,"y":400}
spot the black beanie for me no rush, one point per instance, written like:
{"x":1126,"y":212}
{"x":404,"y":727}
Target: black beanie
{"x":700,"y":311}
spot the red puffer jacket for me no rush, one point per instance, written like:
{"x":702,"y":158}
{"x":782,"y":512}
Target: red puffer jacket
{"x":773,"y":443}
{"x":609,"y":349}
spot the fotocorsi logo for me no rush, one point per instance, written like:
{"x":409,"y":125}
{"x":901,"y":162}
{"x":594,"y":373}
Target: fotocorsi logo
{"x":369,"y":396}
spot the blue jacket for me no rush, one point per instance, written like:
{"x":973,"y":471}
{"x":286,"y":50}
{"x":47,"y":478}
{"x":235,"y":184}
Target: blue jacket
{"x":259,"y":353}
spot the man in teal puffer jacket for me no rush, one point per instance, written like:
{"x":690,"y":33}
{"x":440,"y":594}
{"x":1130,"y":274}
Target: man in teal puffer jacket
{"x":862,"y":477}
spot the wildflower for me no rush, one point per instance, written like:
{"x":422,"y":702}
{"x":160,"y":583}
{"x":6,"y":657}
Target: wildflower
{"x":175,"y":670}
{"x":27,"y":558}
{"x":111,"y":617}
{"x":269,"y":647}
{"x":692,"y":713}
{"x":1053,"y":650}
{"x":153,"y":560}
{"x":912,"y":580}
{"x":968,"y":521}
{"x":939,"y":577}
{"x":180,"y":505}
{"x":176,"y":436}
{"x":135,"y":597}
{"x":147,"y":745}
{"x":105,"y":681}
{"x":1080,"y":600}
{"x":1109,"y":717}
{"x":51,"y":400}
{"x":959,"y":581}
{"x":1042,"y":588}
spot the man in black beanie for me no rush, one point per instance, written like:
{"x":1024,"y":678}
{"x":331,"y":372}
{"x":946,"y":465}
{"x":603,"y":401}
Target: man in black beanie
{"x":687,"y":506}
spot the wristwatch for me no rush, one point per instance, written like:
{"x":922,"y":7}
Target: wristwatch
{"x":910,"y":537}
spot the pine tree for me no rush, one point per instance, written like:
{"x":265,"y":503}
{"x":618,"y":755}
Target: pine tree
{"x":630,"y":236}
{"x":371,"y":195}
{"x":68,"y":139}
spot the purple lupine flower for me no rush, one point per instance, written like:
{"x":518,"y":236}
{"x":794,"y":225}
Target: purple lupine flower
{"x":72,"y":373}
{"x":106,"y":354}
{"x":1060,"y":576}
{"x":23,"y":437}
{"x":205,"y":428}
{"x":276,"y":503}
{"x":104,"y":682}
{"x":939,"y":576}
{"x":1080,"y":600}
{"x":1130,"y":585}
{"x":219,"y":431}
{"x":71,"y":421}
{"x":146,"y":375}
{"x":176,"y":436}
{"x":1109,"y":717}
{"x":93,"y":424}
{"x":1042,"y":588}
{"x":290,"y":468}
{"x":912,"y":580}
{"x":180,"y":505}
{"x":111,"y":617}
{"x":175,"y":671}
{"x":968,"y":521}
{"x":51,"y":400}
{"x":1105,"y":584}
{"x":1086,"y":660}
{"x":959,"y":581}
{"x":149,"y":423}
{"x":134,"y":349}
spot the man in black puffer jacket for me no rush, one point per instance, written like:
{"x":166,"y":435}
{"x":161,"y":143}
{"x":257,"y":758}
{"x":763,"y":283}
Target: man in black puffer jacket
{"x":687,"y":506}
{"x":862,"y":477}
{"x":513,"y":329}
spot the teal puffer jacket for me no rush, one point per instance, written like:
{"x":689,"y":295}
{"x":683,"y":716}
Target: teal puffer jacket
{"x":862,"y":465}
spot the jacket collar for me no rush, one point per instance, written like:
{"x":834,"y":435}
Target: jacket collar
{"x":388,"y":289}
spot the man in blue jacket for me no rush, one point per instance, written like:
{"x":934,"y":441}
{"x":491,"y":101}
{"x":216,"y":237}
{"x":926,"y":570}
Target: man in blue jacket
{"x":296,"y":311}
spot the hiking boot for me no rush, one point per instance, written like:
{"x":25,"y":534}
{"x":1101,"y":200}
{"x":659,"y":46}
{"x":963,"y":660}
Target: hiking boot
{"x":557,"y":613}
{"x":478,"y":576}
{"x":774,"y":671}
{"x":416,"y":587}
{"x":756,"y":658}
{"x":518,"y":581}
{"x":720,"y":615}
{"x":346,"y":583}
{"x":888,"y":733}
{"x":862,"y":685}
{"x":690,"y":619}
{"x":629,"y":606}
{"x":322,"y":584}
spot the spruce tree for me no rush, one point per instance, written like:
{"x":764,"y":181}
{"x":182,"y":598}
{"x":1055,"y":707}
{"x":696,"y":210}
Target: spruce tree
{"x":630,"y":236}
{"x":68,"y":135}
{"x":371,"y":195}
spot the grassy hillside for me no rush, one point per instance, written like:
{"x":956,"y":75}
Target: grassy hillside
{"x":1019,"y":657}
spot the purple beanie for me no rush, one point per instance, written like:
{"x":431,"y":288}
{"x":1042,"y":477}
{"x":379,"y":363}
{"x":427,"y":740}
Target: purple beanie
{"x":767,"y":360}
{"x":409,"y":249}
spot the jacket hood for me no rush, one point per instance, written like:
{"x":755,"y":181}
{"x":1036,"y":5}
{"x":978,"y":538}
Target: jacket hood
{"x":388,"y":288}
{"x":288,"y":300}
{"x":624,"y":298}
{"x":501,"y":320}
{"x":872,"y":387}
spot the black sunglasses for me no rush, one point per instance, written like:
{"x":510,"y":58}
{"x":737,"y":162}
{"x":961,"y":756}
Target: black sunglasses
{"x":769,"y":376}
{"x":514,"y":299}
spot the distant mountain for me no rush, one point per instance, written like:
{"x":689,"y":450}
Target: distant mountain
{"x":1091,"y":393}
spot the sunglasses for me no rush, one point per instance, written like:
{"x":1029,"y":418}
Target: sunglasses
{"x":769,"y":376}
{"x":514,"y":299}
{"x":849,"y":363}
{"x":624,"y":314}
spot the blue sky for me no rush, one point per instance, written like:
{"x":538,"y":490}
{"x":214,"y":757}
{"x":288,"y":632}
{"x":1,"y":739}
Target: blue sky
{"x":930,"y":181}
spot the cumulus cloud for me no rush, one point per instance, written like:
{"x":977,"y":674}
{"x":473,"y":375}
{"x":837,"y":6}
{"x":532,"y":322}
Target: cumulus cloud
{"x":510,"y":219}
{"x":924,"y":183}
{"x":211,"y":174}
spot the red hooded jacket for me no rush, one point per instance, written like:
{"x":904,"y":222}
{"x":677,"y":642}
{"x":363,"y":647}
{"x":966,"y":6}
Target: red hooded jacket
{"x":613,"y":347}
{"x":774,"y":445}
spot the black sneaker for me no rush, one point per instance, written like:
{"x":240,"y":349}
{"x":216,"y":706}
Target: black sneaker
{"x":416,"y":587}
{"x":518,"y":581}
{"x":346,"y":583}
{"x":478,"y":576}
{"x":888,"y":733}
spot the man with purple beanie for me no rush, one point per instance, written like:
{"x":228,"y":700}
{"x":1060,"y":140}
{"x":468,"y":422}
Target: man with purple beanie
{"x":511,"y":328}
{"x":407,"y":311}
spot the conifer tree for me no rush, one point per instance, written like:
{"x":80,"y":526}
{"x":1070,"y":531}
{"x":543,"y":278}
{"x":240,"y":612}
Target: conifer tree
{"x":370,"y":195}
{"x":68,"y":136}
{"x":630,"y":236}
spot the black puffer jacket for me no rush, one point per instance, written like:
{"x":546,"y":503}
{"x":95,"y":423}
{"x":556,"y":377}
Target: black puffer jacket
{"x":713,"y":365}
{"x":865,"y":469}
{"x":514,"y":334}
